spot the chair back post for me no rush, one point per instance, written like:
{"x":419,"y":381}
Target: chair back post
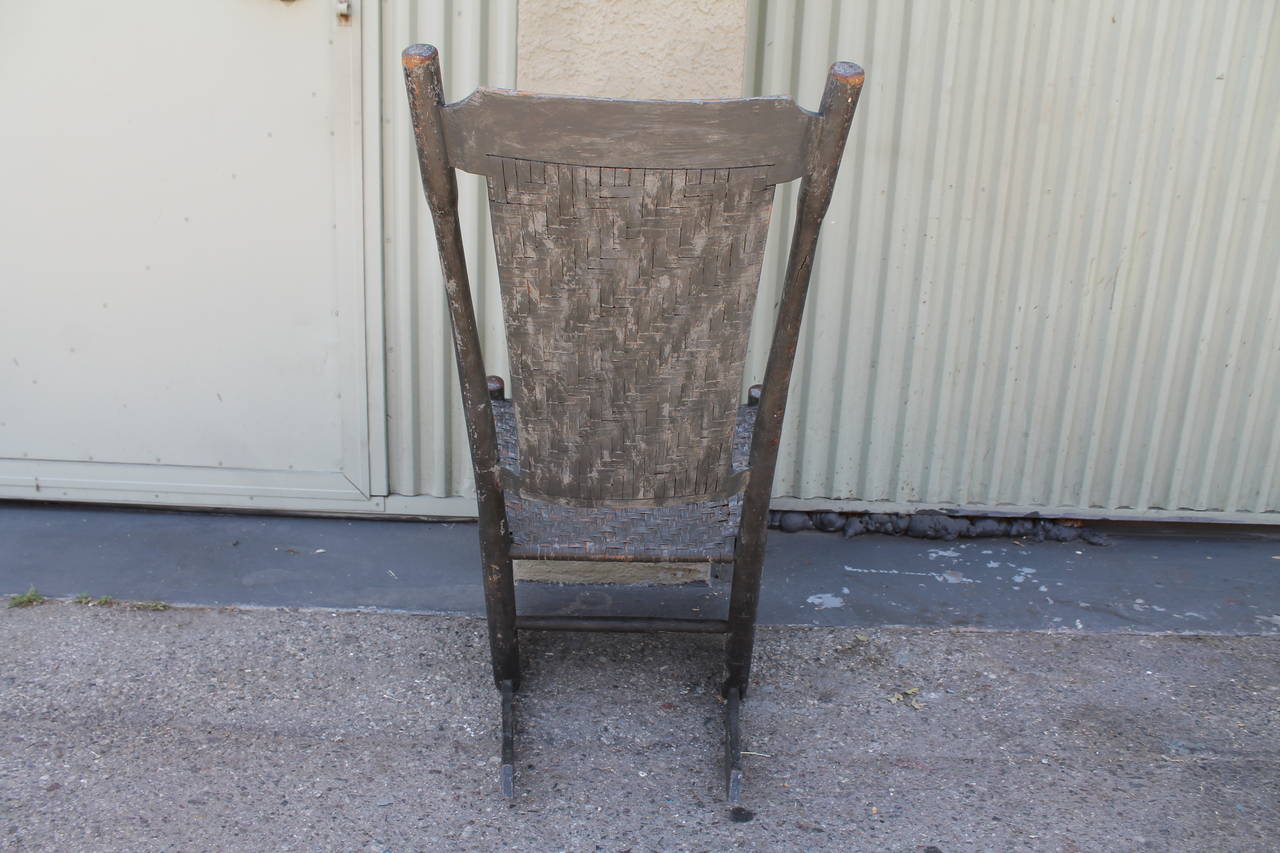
{"x":426,"y":97}
{"x":826,"y":146}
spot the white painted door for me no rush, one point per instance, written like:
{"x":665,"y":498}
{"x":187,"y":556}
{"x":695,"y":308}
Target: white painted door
{"x":183,"y":311}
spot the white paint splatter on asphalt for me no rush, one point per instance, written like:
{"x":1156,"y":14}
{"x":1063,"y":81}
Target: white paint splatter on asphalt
{"x":825,"y":601}
{"x":949,"y":576}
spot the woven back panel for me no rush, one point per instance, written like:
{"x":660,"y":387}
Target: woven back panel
{"x":628,"y":296}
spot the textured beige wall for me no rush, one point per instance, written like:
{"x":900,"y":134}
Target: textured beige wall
{"x":633,"y":48}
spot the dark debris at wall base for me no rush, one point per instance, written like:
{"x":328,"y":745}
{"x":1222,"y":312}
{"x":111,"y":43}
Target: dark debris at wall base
{"x":932,"y":524}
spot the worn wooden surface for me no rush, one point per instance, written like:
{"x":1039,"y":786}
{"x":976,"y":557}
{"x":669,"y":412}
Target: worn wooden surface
{"x":839,"y":100}
{"x":770,"y":132}
{"x":611,"y":572}
{"x":426,"y":96}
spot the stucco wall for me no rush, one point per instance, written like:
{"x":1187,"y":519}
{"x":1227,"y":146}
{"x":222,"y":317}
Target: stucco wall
{"x":633,"y":48}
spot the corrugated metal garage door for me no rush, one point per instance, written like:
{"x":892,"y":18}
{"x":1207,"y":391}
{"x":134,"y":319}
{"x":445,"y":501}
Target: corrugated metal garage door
{"x":1050,"y":279}
{"x":427,"y":445}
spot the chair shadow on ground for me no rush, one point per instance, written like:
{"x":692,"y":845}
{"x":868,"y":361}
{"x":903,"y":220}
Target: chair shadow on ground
{"x":621,"y":707}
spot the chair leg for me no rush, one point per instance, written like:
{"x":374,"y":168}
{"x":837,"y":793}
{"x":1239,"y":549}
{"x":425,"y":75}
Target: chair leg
{"x":500,"y":611}
{"x":744,"y":598}
{"x":733,"y":745}
{"x":740,"y":646}
{"x":507,"y":773}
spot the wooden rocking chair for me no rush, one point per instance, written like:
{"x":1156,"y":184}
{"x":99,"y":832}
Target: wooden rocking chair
{"x":629,"y":237}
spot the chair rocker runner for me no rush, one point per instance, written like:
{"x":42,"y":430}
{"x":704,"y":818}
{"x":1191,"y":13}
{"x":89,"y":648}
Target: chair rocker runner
{"x":629,"y":237}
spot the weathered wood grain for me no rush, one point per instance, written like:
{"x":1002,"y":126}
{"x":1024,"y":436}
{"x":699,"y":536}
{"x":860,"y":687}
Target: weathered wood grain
{"x":425,"y":87}
{"x":771,"y":132}
{"x":839,"y":100}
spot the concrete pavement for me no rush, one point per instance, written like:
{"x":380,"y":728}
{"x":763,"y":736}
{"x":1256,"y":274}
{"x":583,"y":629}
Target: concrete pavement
{"x":205,"y":729}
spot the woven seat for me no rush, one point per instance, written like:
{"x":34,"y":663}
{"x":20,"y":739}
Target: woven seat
{"x":696,"y":532}
{"x":630,"y":239}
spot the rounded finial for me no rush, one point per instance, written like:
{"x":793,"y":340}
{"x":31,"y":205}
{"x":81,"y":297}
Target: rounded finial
{"x":849,"y":72}
{"x":419,"y":54}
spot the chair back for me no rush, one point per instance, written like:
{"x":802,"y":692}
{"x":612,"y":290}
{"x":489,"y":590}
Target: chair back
{"x":629,"y":239}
